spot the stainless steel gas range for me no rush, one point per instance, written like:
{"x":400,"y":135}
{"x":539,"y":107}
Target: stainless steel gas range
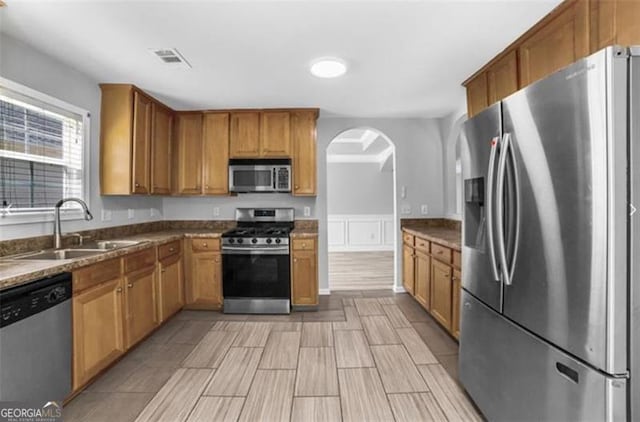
{"x":255,"y":262}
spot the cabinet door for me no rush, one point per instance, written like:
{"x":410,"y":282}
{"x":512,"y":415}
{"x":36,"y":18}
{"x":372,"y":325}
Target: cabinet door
{"x":304,"y":283}
{"x":303,"y":129}
{"x":189,"y":152}
{"x":170,"y":287}
{"x":614,"y":22}
{"x":161,"y":150}
{"x":408,"y":266}
{"x":275,"y":134}
{"x":206,"y":282}
{"x":560,"y":42}
{"x":441,"y":293}
{"x":502,"y":77}
{"x":140,"y":300}
{"x":141,"y":143}
{"x":422,"y":289}
{"x":215,"y":139}
{"x":477,"y":94}
{"x":455,"y":304}
{"x":97,"y":329}
{"x":244,"y":135}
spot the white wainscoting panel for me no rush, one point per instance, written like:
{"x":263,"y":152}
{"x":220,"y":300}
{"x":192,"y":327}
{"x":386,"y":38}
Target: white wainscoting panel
{"x":353,"y":233}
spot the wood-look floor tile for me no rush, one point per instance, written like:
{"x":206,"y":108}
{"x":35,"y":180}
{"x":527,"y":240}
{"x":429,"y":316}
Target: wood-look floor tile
{"x":293,"y":317}
{"x":352,"y":349}
{"x":450,"y":364}
{"x":368,"y":306}
{"x":105,"y":407}
{"x":396,"y":317}
{"x":176,"y":399}
{"x":348,"y":301}
{"x":317,"y":334}
{"x":211,"y":350}
{"x":317,"y":373}
{"x":328,"y":315}
{"x":188,"y":315}
{"x":316,"y":409}
{"x":168,"y":330}
{"x":418,"y":350}
{"x":234,"y":375}
{"x":160,"y":355}
{"x":412,"y":309}
{"x":253,"y":334}
{"x":219,"y":409}
{"x":452,"y":400}
{"x":397,"y":370}
{"x":286,"y":326}
{"x":281,"y":351}
{"x":146,"y":379}
{"x":438,"y":341}
{"x":362,"y":396}
{"x":191,"y":332}
{"x":379,"y":330}
{"x":227,"y":326}
{"x":387,"y":300}
{"x":352,"y":322}
{"x":112,"y":379}
{"x":270,"y":396}
{"x":411,"y":407}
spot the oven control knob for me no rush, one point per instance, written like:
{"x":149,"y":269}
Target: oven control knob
{"x":231,"y":240}
{"x":269,"y":241}
{"x":240,"y":240}
{"x":254,"y":240}
{"x":278,"y":240}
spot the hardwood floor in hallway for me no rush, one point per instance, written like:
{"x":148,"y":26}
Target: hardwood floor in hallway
{"x":365,"y":355}
{"x":360,"y":270}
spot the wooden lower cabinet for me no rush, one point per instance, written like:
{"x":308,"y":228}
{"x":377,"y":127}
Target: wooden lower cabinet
{"x":206,"y":280}
{"x":170,"y":287}
{"x":140,"y":303}
{"x":408,"y":268}
{"x":304,"y":273}
{"x":441,"y":293}
{"x":455,"y":304}
{"x":97,"y":329}
{"x":422,"y":280}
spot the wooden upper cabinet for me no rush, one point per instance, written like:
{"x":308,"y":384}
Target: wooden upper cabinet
{"x":502,"y":77}
{"x":614,"y":22}
{"x":477,"y":94}
{"x":303,"y":137}
{"x":215,"y":139}
{"x":162,"y":128}
{"x":275,"y":134}
{"x":188,"y":148}
{"x":141,"y":143}
{"x":559,"y":42}
{"x":244,"y":134}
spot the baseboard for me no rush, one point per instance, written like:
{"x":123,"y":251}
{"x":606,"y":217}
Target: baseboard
{"x":399,"y":289}
{"x":324,"y":292}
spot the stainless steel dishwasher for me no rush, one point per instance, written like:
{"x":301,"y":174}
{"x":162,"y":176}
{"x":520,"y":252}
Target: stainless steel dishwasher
{"x":35,"y":340}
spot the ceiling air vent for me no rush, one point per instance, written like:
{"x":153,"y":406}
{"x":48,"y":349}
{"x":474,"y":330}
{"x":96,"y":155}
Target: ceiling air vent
{"x":170,"y":56}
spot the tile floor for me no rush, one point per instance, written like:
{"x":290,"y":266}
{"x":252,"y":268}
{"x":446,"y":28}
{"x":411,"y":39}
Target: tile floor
{"x":360,"y":270}
{"x":364,"y":356}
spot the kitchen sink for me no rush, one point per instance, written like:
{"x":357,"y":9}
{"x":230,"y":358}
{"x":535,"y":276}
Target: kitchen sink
{"x":107,"y":245}
{"x":60,"y":254}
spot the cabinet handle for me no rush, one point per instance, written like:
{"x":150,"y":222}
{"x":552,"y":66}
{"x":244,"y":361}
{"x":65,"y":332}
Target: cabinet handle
{"x":439,"y":252}
{"x":295,"y":259}
{"x":119,"y":290}
{"x":171,"y":249}
{"x":163,"y":270}
{"x":205,"y":245}
{"x":297,"y":187}
{"x":129,"y":285}
{"x":137,"y":184}
{"x":304,"y":245}
{"x":217,"y":260}
{"x":206,"y":186}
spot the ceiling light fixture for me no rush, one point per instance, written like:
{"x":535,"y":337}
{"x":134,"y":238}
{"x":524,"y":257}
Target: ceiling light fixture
{"x":328,"y":67}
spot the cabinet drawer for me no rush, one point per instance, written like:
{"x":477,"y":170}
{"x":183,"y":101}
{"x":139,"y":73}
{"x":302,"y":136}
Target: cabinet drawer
{"x":408,"y":239}
{"x":457,"y":259}
{"x":96,"y":274}
{"x":204,"y":245}
{"x":140,"y":260}
{"x":441,"y":253}
{"x":422,"y":244}
{"x":304,"y":244}
{"x":171,"y":248}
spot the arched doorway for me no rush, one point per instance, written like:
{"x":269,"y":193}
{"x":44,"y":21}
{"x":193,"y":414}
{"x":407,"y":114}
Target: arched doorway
{"x":361,"y":210}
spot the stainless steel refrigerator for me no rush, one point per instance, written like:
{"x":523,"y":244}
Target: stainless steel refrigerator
{"x":550,"y":315}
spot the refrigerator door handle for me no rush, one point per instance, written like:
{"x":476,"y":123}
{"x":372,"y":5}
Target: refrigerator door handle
{"x":516,"y":235}
{"x":495,"y":142}
{"x":502,"y":250}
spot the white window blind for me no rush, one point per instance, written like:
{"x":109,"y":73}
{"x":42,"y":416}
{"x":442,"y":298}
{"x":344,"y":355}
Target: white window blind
{"x":41,"y":153}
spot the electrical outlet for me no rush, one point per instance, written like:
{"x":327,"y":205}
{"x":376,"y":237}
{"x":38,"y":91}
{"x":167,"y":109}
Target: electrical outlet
{"x":131,"y":213}
{"x":424,"y":209}
{"x":106,"y":215}
{"x":216,"y":211}
{"x":405,"y":209}
{"x":307,"y":211}
{"x":403,"y":192}
{"x":152,"y":212}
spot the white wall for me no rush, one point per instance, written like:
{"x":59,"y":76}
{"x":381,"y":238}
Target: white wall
{"x":27,"y":66}
{"x":418,"y":149}
{"x":359,"y":188}
{"x":450,"y":126}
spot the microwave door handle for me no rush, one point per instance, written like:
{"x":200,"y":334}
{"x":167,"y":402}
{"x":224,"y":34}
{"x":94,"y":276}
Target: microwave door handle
{"x":274,"y":178}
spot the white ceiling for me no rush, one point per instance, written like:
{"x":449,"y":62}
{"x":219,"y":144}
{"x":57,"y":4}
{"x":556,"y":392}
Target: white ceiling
{"x":360,"y":146}
{"x":405,"y":58}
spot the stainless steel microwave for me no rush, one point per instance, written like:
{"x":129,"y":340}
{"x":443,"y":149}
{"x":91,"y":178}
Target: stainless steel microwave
{"x":265,"y":175}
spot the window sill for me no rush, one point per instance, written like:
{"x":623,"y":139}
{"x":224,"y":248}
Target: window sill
{"x":9,"y":219}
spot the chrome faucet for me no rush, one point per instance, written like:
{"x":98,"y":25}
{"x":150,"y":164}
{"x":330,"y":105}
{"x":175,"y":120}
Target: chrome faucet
{"x":57,"y":232}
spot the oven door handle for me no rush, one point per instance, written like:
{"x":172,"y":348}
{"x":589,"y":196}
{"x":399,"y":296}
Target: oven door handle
{"x":229,"y":250}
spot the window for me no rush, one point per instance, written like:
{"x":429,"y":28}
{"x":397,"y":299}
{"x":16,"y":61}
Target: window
{"x":42,"y":144}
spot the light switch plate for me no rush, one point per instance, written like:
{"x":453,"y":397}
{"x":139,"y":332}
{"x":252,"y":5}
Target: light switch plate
{"x":216,"y":211}
{"x":307,"y":211}
{"x":106,"y":215}
{"x":424,"y":209}
{"x":131,"y":213}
